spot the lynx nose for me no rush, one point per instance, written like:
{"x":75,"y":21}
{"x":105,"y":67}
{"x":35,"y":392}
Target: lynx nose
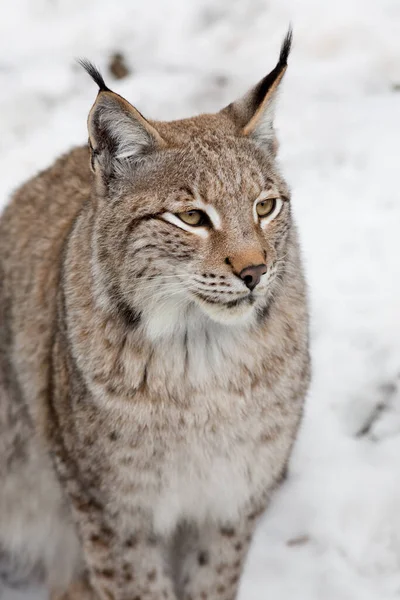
{"x":251,"y":275}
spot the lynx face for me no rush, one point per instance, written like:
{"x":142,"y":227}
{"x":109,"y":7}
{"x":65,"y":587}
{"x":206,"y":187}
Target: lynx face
{"x":191,"y":215}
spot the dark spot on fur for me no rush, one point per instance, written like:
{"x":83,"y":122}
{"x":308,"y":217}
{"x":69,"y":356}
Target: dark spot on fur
{"x":152,"y":575}
{"x":113,"y":436}
{"x":106,"y":532}
{"x":266,"y":438}
{"x":131,"y":542}
{"x":203,"y":558}
{"x":99,"y":542}
{"x":255,"y":514}
{"x":228,"y":532}
{"x":238,"y":546}
{"x":105,"y":573}
{"x":221,"y":589}
{"x":141,"y":272}
{"x":85,"y":505}
{"x":111,"y":389}
{"x":127,"y":460}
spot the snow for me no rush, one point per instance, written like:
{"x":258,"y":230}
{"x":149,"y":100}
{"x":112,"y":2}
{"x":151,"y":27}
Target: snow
{"x":333,"y":529}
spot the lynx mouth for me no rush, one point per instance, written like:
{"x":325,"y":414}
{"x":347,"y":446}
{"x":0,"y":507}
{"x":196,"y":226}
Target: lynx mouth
{"x":248,"y":299}
{"x":231,"y":312}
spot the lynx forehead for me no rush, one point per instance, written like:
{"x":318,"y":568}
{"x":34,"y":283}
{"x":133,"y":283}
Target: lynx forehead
{"x":153,"y":353}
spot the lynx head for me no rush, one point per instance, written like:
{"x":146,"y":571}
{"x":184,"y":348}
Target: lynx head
{"x":192,"y":216}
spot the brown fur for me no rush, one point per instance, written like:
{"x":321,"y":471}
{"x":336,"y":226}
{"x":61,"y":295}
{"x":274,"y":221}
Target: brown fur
{"x":148,"y":400}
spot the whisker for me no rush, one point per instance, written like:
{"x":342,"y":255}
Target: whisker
{"x":160,"y":294}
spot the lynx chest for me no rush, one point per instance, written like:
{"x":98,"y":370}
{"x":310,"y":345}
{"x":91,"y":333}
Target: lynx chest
{"x":205,"y":462}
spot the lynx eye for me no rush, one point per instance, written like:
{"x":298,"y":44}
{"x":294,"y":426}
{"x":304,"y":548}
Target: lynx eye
{"x":266,"y":207}
{"x":195,"y":218}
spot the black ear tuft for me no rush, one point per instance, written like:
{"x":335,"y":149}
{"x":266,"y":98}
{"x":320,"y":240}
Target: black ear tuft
{"x":94,"y":74}
{"x":286,"y":47}
{"x":253,"y":114}
{"x":261,"y":90}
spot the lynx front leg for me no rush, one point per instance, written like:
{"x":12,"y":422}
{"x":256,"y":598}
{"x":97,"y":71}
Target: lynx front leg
{"x":212,"y":569}
{"x":121,"y":566}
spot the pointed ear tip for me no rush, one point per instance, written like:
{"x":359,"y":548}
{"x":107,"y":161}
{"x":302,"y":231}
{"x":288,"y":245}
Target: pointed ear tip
{"x":94,"y":73}
{"x":286,"y":47}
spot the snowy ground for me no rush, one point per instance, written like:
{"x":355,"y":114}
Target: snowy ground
{"x":333,"y":531}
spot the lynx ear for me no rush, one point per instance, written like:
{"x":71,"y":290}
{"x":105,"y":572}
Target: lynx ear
{"x":254,"y":112}
{"x":117,"y":131}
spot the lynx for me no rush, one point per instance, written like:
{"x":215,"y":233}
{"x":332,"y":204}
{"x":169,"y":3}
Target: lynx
{"x":153,"y":353}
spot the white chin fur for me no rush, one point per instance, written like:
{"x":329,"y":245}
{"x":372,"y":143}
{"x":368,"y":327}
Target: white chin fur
{"x":168,"y":318}
{"x":242,"y":313}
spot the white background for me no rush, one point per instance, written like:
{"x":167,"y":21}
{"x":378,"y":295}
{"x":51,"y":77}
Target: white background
{"x":333,"y":531}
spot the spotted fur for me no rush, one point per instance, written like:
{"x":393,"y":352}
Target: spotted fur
{"x":149,"y":400}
